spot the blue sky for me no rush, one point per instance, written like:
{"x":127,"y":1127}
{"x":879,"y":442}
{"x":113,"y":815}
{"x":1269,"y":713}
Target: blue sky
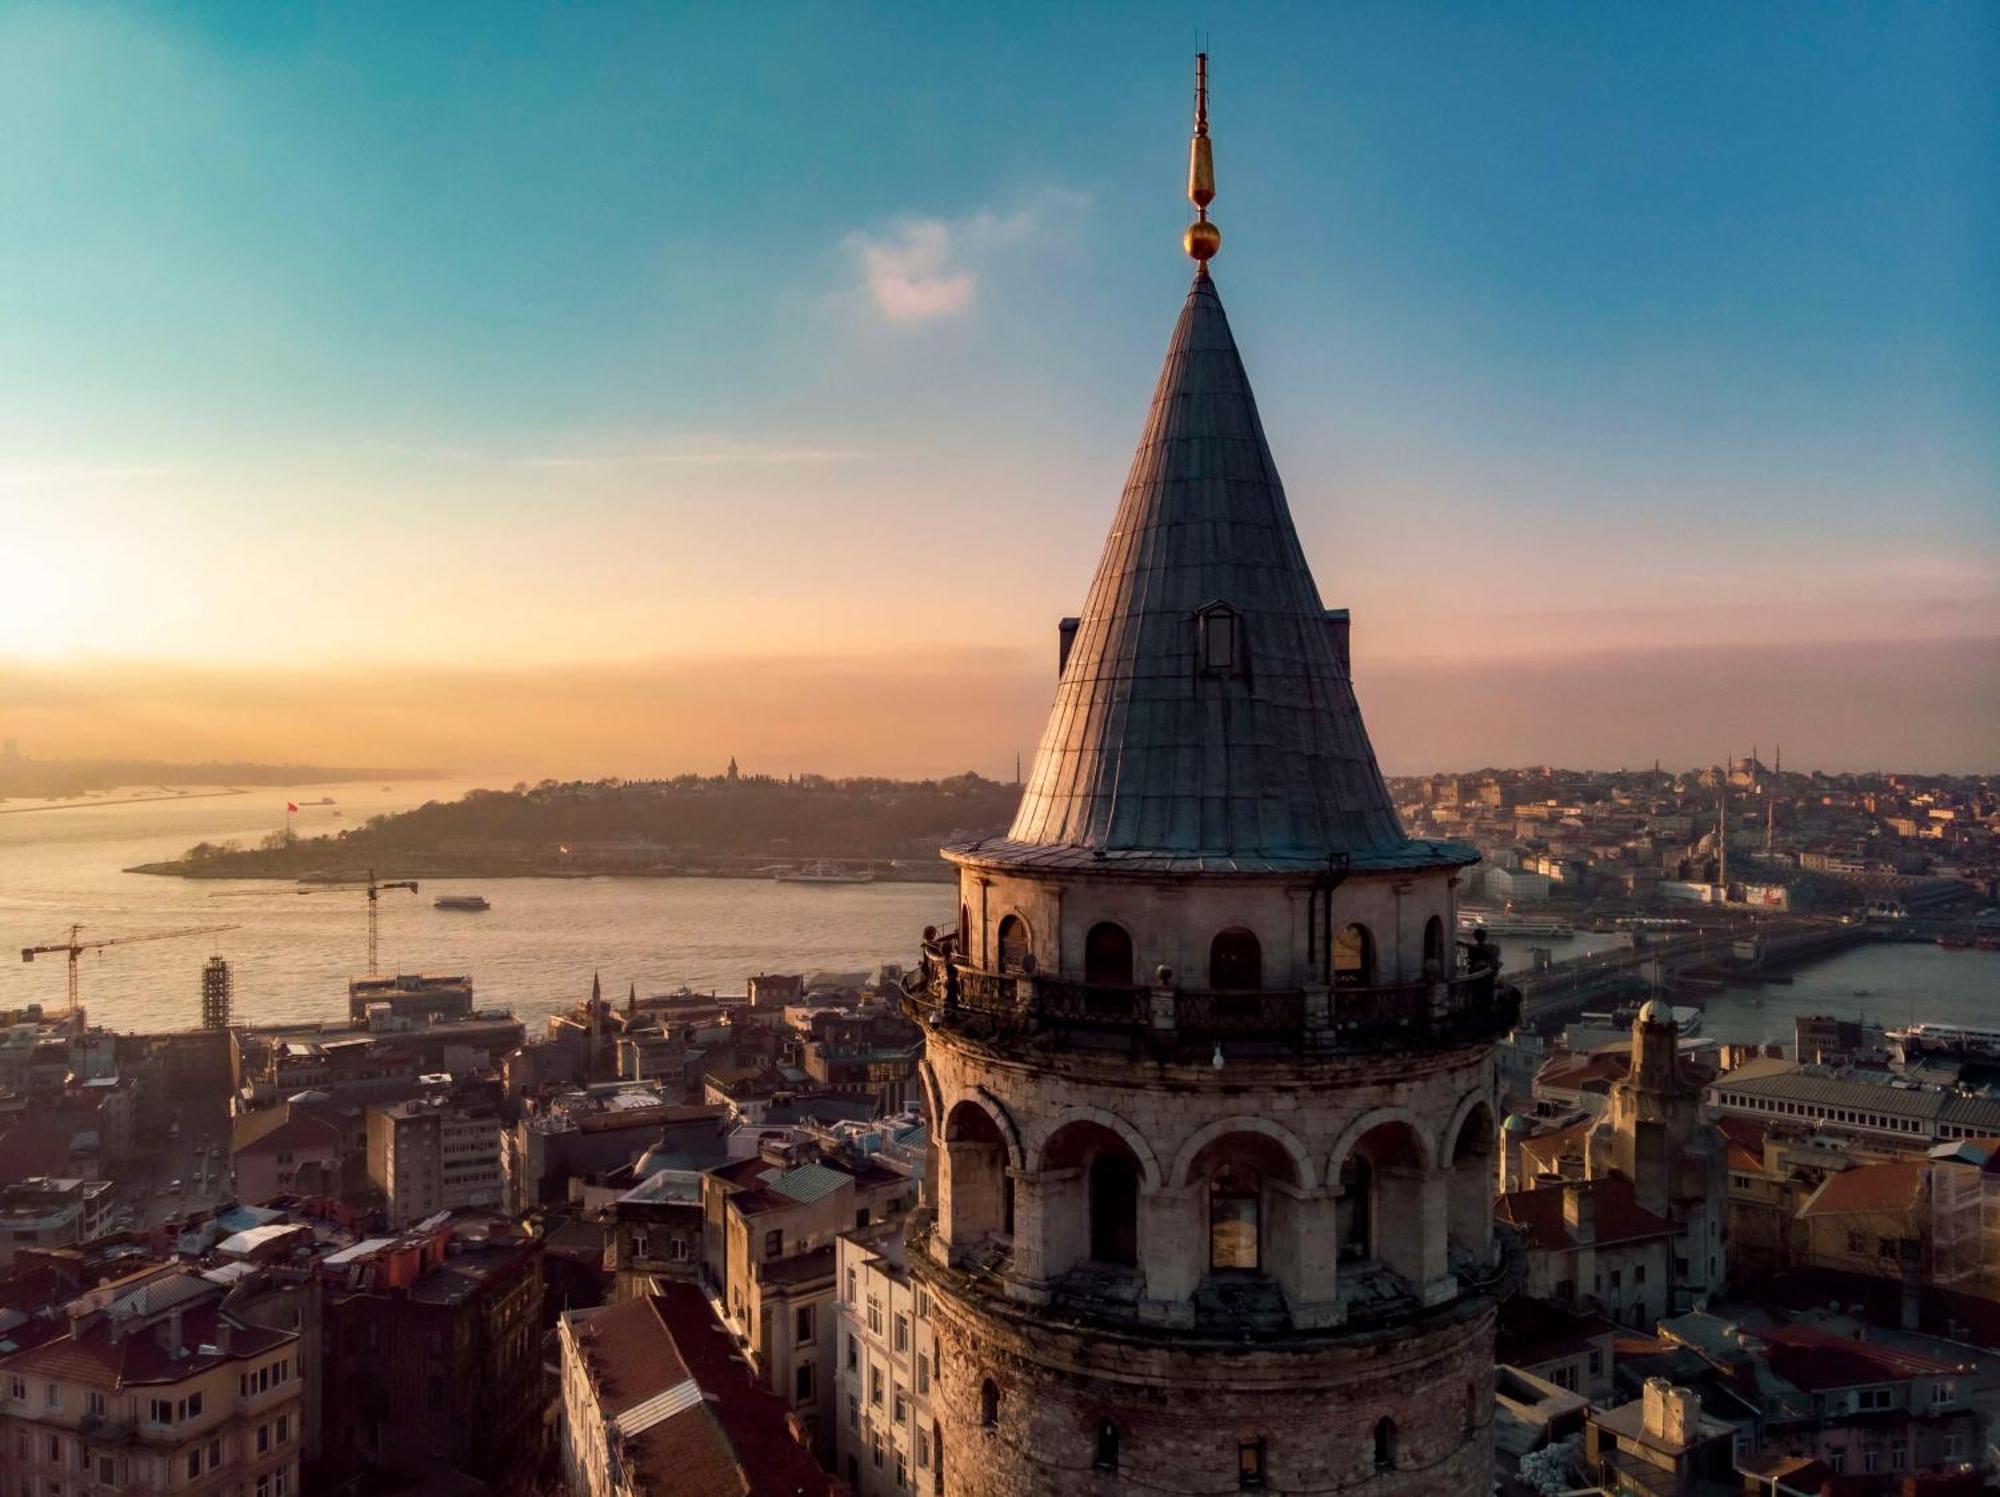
{"x":507,"y":326}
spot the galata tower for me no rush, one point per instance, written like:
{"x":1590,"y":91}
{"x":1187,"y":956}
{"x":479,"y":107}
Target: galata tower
{"x":1209,"y":1078}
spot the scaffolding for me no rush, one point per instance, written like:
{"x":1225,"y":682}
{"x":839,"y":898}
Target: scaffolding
{"x":217,"y":988}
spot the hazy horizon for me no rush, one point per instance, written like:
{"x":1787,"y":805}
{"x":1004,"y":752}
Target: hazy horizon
{"x":1837,"y":707}
{"x":645,"y":387}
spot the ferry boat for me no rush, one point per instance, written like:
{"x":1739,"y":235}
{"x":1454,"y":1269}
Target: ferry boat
{"x":1947,"y":1039}
{"x":1509,"y":925}
{"x":466,"y":902}
{"x":824,"y":873}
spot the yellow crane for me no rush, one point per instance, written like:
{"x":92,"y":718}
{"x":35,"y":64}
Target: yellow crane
{"x":374,"y":892}
{"x":73,"y":948}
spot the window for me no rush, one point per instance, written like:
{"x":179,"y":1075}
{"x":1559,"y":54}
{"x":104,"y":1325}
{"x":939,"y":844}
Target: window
{"x":902,"y":1337}
{"x":923,"y":1305}
{"x":194,"y":1463}
{"x":107,"y":1470}
{"x":263,"y":1486}
{"x":1638,"y":1276}
{"x":1434,"y":948}
{"x":263,"y":1438}
{"x":1220,"y":655}
{"x":902,"y":1470}
{"x":284,"y":1428}
{"x":853,"y":1412}
{"x":923,"y":1374}
{"x":1873,"y":1398}
{"x":774,"y":1243}
{"x":802,"y":1383}
{"x":1944,"y":1393}
{"x":160,"y":1411}
{"x":875,"y":1444}
{"x":1353,"y":957}
{"x":17,"y":1387}
{"x":901,"y":1405}
{"x":875,"y":1386}
{"x":1954,"y":1446}
{"x":1836,"y":1461}
{"x":191,"y":1406}
{"x":1250,"y":1465}
{"x":853,"y":1354}
{"x":95,"y":1403}
{"x":1385,"y":1444}
{"x":1015,"y":944}
{"x":989,"y":1404}
{"x":874,"y":1316}
{"x":923,"y":1449}
{"x":1107,"y":1446}
{"x":853,"y":1288}
{"x":1596,"y":1361}
{"x":1234,"y":1207}
{"x":1564,"y":1377}
{"x":214,"y":1454}
{"x":1897,"y":1457}
{"x":53,"y":1396}
{"x":802,"y":1325}
{"x":1856,"y":1242}
{"x":1235,"y":962}
{"x":1617,"y":1279}
{"x":1107,"y":956}
{"x":281,"y":1483}
{"x":1871,"y":1459}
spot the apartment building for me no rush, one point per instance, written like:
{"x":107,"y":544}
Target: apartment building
{"x":145,"y":1385}
{"x":431,"y":1155}
{"x":44,"y":1212}
{"x":885,"y":1439}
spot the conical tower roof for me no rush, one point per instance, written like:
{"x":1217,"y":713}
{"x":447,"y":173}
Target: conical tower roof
{"x":1205,"y":720}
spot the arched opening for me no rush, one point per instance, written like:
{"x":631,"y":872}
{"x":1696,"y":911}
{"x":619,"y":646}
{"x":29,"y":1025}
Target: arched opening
{"x":937,"y":1460}
{"x":964,"y":929}
{"x":1107,"y":955}
{"x":1238,"y":1173}
{"x":1015,"y":943}
{"x":1354,"y":957}
{"x":1089,"y":1197}
{"x":1235,"y":961}
{"x":974,"y":1189}
{"x":1434,"y":949}
{"x":1385,"y":1444}
{"x":989,"y":1404}
{"x":1469,"y":1191}
{"x":1382,"y":1187}
{"x":1107,"y":1446}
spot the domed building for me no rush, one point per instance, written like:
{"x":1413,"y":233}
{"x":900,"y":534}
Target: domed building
{"x":1211,"y":1090}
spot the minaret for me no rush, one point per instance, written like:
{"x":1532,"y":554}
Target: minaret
{"x":1722,"y":840}
{"x":1211,"y":1096}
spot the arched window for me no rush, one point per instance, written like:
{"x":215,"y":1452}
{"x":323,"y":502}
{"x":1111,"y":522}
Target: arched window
{"x":937,"y":1460}
{"x":989,"y":1404}
{"x":964,"y":929}
{"x":1114,"y":1209}
{"x":1235,"y":962}
{"x":1107,"y":955}
{"x":1014,"y":944}
{"x":1385,"y":1444}
{"x":1107,"y":1446}
{"x":1355,"y":1212}
{"x":1354,"y":958}
{"x":1434,"y":948}
{"x":1235,"y":1217}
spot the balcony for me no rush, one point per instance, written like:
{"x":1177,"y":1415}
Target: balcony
{"x":1360,"y":1020}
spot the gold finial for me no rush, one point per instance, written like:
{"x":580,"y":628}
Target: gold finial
{"x":1203,"y":238}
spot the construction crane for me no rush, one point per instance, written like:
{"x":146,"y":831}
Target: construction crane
{"x":374,"y":892}
{"x":73,"y":948}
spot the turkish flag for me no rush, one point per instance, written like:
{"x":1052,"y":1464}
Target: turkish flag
{"x":291,"y":805}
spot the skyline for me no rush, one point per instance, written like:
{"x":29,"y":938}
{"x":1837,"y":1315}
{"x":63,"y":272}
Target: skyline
{"x":586,"y":344}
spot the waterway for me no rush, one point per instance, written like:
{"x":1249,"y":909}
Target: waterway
{"x":291,"y":954}
{"x":536,"y":949}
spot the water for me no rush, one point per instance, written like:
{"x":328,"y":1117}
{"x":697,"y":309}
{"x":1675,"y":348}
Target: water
{"x":535,"y":950}
{"x":292,"y":954}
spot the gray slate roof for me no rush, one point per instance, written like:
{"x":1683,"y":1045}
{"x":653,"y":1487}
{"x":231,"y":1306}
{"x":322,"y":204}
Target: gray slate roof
{"x":1149,"y":764}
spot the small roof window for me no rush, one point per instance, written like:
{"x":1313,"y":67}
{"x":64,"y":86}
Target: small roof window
{"x":1219,"y":640}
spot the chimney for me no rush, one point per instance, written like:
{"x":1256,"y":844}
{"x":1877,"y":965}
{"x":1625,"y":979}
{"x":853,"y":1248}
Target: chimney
{"x":1653,"y":1407}
{"x":224,"y":1334}
{"x":1580,"y":1211}
{"x":1682,"y":1415}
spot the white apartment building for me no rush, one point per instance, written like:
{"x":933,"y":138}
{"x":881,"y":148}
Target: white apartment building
{"x":887,"y":1440}
{"x":427,"y":1156}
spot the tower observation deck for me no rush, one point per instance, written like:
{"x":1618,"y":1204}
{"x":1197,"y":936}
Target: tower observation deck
{"x":1210,"y":1082}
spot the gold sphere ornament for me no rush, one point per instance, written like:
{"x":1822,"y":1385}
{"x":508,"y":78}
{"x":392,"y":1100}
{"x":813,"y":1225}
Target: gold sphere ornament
{"x":1202,"y":240}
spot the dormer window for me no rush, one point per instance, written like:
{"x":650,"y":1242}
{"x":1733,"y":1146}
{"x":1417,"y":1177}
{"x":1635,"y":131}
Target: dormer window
{"x":1220,"y":642}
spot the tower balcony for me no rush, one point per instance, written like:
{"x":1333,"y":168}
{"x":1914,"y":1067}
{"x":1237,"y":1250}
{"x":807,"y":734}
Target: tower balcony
{"x":1467,"y":1008}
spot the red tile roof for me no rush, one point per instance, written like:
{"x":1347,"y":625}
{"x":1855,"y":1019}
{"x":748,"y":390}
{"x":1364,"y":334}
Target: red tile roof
{"x":1816,"y":1360}
{"x":1538,"y":1214}
{"x":1895,"y":1188}
{"x":138,"y":1358}
{"x":1547,"y":1148}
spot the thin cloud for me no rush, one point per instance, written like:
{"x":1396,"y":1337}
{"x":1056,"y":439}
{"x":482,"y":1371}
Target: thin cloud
{"x":89,"y":473}
{"x":918,"y":270}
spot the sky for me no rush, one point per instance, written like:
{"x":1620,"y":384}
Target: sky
{"x":605,"y":388}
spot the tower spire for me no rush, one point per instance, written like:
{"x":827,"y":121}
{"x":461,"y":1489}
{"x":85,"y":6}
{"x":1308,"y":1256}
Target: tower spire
{"x":1203,"y":239}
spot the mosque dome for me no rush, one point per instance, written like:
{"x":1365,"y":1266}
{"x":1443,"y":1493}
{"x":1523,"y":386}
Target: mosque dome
{"x":1655,"y":1012}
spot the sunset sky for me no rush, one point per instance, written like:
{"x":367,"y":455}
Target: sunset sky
{"x":608,"y":388}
